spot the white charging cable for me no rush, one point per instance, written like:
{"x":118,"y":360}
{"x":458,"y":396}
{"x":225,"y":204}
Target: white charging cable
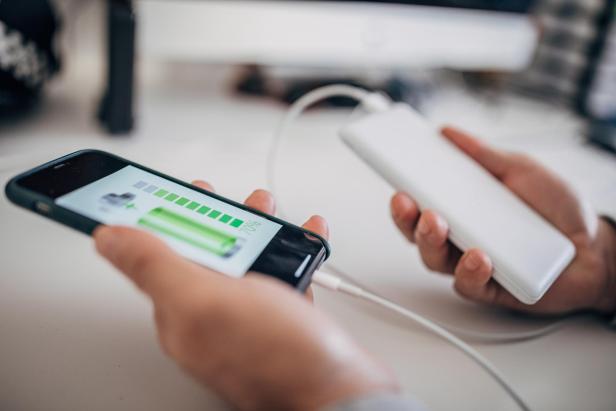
{"x":337,"y":284}
{"x":375,"y":102}
{"x":472,"y":335}
{"x":372,"y":101}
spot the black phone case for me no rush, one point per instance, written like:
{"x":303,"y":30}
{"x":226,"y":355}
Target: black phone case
{"x":43,"y":206}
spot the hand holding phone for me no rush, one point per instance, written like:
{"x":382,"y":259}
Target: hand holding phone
{"x":254,"y":342}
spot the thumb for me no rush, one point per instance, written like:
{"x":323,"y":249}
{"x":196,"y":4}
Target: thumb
{"x":146,"y":260}
{"x":498,"y":163}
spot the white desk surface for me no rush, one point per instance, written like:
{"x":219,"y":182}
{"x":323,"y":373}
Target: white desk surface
{"x":75,"y":335}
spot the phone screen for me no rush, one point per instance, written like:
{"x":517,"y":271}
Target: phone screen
{"x":199,"y":227}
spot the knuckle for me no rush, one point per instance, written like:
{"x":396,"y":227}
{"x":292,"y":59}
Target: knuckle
{"x":187,"y":311}
{"x":140,"y":265}
{"x":186,"y":320}
{"x":464,"y":289}
{"x":165,"y":331}
{"x":184,"y":327}
{"x":461,"y":290}
{"x":430,"y":262}
{"x":426,"y":247}
{"x":417,"y":237}
{"x":195,"y":316}
{"x":162,"y":330}
{"x":472,"y":292}
{"x":160,"y":318}
{"x":523,"y":159}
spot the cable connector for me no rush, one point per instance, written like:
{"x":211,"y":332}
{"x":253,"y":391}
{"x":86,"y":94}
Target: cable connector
{"x":375,"y":102}
{"x":326,"y":280}
{"x":331,"y":282}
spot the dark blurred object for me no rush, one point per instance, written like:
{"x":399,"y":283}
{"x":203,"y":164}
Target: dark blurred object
{"x":116,"y":111}
{"x":28,"y":56}
{"x":598,"y":97}
{"x":603,"y":134}
{"x":516,"y":6}
{"x":575,"y":64}
{"x":255,"y":81}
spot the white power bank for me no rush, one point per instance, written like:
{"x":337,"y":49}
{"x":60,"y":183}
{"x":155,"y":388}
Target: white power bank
{"x":527,"y":252}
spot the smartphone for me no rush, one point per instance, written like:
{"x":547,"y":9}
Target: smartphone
{"x":88,"y":188}
{"x":528,"y":253}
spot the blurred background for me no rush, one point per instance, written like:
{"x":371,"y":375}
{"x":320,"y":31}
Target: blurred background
{"x":196,"y":89}
{"x":558,"y":51}
{"x":91,"y":72}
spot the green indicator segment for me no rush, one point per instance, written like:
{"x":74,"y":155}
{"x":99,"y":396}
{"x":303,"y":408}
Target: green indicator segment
{"x":225,"y":218}
{"x":193,"y":205}
{"x":214,"y":214}
{"x":190,"y":231}
{"x":204,"y":210}
{"x":182,"y":201}
{"x":201,"y":209}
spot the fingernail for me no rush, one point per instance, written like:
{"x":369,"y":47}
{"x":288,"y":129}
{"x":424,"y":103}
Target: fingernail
{"x":471,"y":262}
{"x":395,"y":208}
{"x":423,"y":227}
{"x":395,"y":214}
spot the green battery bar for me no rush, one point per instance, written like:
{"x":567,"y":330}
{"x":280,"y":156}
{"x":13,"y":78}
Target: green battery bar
{"x":192,"y":205}
{"x":191,"y":231}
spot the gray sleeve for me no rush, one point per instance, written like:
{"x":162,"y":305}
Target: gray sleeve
{"x":378,"y":402}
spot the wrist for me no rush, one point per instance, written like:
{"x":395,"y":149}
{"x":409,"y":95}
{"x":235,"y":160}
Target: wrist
{"x":606,"y":240}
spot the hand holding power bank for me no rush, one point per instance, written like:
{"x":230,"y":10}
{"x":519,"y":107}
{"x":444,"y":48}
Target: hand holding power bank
{"x":527,"y":252}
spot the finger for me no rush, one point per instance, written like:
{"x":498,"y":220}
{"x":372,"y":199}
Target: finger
{"x":317,"y":225}
{"x":495,"y":161}
{"x":472,"y":276}
{"x":147,"y":261}
{"x":405,"y":214}
{"x":431,"y":236}
{"x":261,"y":200}
{"x":473,"y":280}
{"x":204,"y":185}
{"x":309,"y":294}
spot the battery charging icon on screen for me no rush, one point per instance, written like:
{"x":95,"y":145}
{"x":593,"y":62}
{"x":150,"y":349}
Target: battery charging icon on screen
{"x":193,"y":232}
